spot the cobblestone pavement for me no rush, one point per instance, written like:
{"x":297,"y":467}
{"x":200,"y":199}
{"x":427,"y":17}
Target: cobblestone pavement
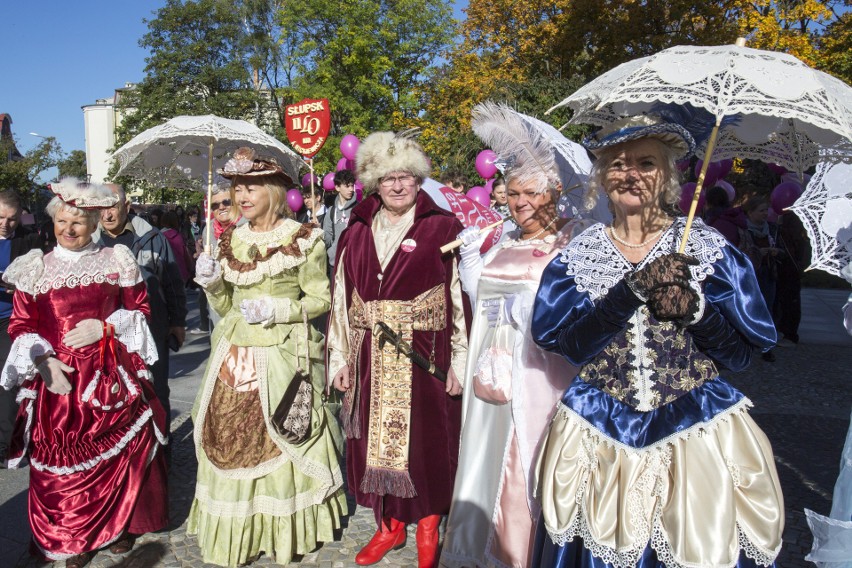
{"x":802,"y":401}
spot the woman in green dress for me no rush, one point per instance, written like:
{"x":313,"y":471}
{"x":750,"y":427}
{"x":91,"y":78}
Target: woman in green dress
{"x":255,"y":491}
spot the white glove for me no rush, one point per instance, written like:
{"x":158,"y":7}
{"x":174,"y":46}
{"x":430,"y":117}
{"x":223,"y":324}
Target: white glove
{"x":52,"y":372}
{"x":207,"y":270}
{"x":85,"y":333}
{"x":499,"y":312}
{"x":471,"y":236}
{"x":266,"y":311}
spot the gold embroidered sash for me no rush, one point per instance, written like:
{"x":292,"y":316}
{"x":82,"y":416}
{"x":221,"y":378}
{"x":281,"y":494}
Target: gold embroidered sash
{"x":390,"y":386}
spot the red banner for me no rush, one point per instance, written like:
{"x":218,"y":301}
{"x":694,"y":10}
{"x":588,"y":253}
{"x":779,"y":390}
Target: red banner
{"x":308,"y":123}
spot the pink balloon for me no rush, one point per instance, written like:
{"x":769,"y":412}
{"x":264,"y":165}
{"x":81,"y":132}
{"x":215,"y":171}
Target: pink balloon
{"x":328,"y":182}
{"x":729,"y":189}
{"x":480,"y":195}
{"x":485,"y":164}
{"x":712,"y":175}
{"x":687,"y":191}
{"x":359,"y":190}
{"x":489,"y":186}
{"x":784,"y":195}
{"x":772,"y":216}
{"x":349,"y":146}
{"x":725,"y":167}
{"x":345,"y":164}
{"x":306,"y":180}
{"x":776,"y":169}
{"x":294,"y":199}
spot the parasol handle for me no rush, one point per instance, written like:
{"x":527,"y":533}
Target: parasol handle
{"x":313,"y":198}
{"x":458,"y":242}
{"x":207,"y":227}
{"x":711,"y":144}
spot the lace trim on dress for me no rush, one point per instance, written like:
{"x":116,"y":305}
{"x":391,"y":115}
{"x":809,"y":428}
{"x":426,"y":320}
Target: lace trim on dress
{"x":298,"y":239}
{"x":131,"y":328}
{"x":25,"y":271}
{"x":19,"y":365}
{"x":597,"y":265}
{"x":72,"y":269}
{"x":698,"y":429}
{"x":110,"y":453}
{"x":260,"y":504}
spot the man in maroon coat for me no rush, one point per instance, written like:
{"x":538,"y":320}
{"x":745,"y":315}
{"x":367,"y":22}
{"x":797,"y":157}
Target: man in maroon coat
{"x":402,"y":424}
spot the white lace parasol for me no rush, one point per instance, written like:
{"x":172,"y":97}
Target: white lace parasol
{"x":825,"y":208}
{"x":184,"y":152}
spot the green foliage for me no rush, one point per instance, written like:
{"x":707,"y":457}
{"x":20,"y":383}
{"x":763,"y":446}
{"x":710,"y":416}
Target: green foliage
{"x":73,"y":165}
{"x":22,"y":174}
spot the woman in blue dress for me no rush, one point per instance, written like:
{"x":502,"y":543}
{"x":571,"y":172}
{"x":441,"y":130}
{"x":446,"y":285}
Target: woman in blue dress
{"x":652,"y":459}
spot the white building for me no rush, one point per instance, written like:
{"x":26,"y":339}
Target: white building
{"x":101,"y":120}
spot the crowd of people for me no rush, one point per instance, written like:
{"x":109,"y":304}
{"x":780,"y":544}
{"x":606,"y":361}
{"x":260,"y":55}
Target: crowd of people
{"x":557,"y":398}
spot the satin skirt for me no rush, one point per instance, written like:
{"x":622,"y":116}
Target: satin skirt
{"x":694,"y":480}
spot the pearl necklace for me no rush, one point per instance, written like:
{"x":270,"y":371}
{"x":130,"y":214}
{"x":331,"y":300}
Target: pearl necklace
{"x":644,"y":243}
{"x":538,"y":234}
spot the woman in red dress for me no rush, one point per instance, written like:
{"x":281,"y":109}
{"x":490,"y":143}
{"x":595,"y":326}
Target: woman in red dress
{"x":89,"y":423}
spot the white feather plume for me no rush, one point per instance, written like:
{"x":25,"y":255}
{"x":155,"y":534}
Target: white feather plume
{"x":527,"y":153}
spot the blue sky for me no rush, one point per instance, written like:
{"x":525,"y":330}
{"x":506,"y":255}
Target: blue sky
{"x":60,"y":55}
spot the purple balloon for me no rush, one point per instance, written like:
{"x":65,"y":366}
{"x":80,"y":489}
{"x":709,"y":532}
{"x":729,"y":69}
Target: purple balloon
{"x":345,"y":164}
{"x":489,"y":186}
{"x":772,"y":216}
{"x":328,"y":182}
{"x":683,"y":165}
{"x":687,"y":191}
{"x":480,"y":195}
{"x":485,"y":164}
{"x":784,"y":195}
{"x":306,"y":180}
{"x":729,"y":189}
{"x":349,"y":146}
{"x":294,"y":199}
{"x":725,"y":167}
{"x":712,"y":174}
{"x":776,"y":169}
{"x":359,"y":190}
{"x":790,"y":176}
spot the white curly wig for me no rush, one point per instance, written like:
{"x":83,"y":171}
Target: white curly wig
{"x":384,"y":152}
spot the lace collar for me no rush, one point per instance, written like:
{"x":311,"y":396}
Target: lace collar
{"x":74,"y":255}
{"x":597,"y":265}
{"x":275,"y":235}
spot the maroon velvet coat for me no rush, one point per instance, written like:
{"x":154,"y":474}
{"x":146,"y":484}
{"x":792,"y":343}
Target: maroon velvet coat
{"x":435,"y":416}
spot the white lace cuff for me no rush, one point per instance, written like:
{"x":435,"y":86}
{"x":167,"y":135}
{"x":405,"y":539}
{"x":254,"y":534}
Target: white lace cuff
{"x":132,"y":330}
{"x":19,"y":365}
{"x":281,"y":308}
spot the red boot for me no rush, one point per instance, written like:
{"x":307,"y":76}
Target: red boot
{"x":427,"y":541}
{"x":390,"y":536}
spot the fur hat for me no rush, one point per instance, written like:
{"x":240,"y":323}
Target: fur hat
{"x":83,"y":195}
{"x":642,"y":126}
{"x":384,"y":152}
{"x":523,"y":153}
{"x":245,"y":162}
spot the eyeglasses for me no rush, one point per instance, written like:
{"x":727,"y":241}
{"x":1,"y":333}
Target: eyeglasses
{"x":220,"y":204}
{"x":406,"y":179}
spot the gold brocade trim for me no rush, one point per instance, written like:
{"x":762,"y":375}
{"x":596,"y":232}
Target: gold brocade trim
{"x":389,"y":425}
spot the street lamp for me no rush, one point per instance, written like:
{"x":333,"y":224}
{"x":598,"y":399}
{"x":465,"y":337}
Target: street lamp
{"x":37,"y":135}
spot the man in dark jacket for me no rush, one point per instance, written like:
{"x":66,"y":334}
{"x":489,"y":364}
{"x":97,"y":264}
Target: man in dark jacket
{"x":161,"y":274}
{"x":15,"y":240}
{"x":337,"y":217}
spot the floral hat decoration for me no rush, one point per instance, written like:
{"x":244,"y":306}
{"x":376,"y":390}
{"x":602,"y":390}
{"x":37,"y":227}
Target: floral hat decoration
{"x":83,"y":195}
{"x":246,"y":162}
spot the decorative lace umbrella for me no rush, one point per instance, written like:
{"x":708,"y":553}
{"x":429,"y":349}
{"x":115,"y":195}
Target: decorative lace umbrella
{"x":825,"y":208}
{"x":764,"y":105}
{"x":187,"y":149}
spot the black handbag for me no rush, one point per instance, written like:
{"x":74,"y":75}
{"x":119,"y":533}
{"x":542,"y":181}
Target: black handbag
{"x":292,"y":417}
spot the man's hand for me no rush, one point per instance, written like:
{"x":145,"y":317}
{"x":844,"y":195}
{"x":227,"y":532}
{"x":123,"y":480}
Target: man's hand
{"x":52,"y":372}
{"x":341,"y":379}
{"x":454,"y":387}
{"x":180,"y":334}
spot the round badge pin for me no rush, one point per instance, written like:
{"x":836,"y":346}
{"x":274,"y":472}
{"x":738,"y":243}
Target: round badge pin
{"x":408,"y":245}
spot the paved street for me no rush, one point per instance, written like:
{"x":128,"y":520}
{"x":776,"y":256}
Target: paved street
{"x":802,"y":401}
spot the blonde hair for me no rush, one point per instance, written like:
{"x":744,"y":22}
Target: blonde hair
{"x":56,"y":205}
{"x":275,"y":185}
{"x":670,"y":191}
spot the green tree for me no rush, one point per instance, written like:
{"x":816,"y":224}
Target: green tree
{"x":73,"y":165}
{"x":23,"y":174}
